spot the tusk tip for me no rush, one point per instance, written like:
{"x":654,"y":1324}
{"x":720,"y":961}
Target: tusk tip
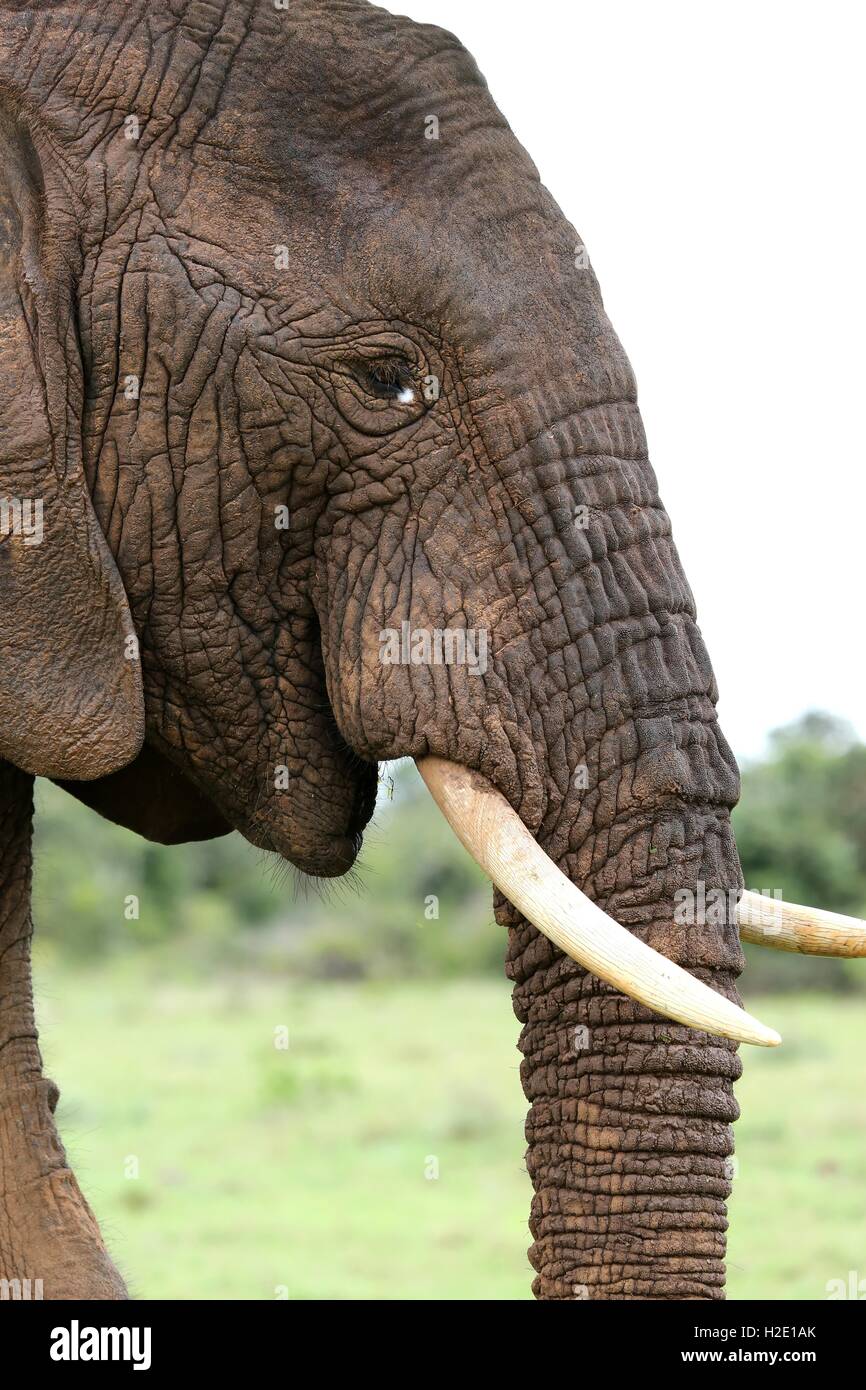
{"x":745,"y":1028}
{"x":752,"y":1030}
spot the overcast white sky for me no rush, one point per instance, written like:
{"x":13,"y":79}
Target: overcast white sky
{"x":712,"y":160}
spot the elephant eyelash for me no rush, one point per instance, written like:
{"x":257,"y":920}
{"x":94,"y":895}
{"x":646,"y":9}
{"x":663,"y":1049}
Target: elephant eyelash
{"x":389,"y":379}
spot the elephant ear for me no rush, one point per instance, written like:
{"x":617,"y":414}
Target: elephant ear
{"x":71,"y":698}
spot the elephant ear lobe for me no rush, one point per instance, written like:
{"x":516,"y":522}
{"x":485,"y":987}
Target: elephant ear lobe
{"x":71,"y":698}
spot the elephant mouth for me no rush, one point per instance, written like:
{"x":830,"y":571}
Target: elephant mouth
{"x":329,"y":857}
{"x":321,"y":836}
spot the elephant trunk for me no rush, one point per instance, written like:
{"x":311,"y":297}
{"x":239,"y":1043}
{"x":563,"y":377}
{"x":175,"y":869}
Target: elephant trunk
{"x":50,"y":1246}
{"x":629,"y":1127}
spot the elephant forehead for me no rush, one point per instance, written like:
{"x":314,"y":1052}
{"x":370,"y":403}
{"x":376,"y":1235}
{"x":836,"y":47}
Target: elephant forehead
{"x":322,"y":65}
{"x":338,"y":105}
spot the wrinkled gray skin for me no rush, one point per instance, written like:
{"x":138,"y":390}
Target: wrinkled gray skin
{"x":272,"y":377}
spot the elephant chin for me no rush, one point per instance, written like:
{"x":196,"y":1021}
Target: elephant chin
{"x":317,"y":823}
{"x":320,"y":858}
{"x":152,"y":797}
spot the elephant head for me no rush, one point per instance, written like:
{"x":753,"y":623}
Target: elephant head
{"x":340,"y":460}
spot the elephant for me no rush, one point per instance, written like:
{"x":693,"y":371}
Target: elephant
{"x":317,"y":449}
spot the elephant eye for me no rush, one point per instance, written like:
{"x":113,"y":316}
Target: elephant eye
{"x":388,"y":379}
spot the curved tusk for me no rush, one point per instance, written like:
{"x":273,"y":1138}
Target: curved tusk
{"x":497,"y":839}
{"x":789,"y":927}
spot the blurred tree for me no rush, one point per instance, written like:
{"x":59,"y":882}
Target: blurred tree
{"x":801,"y":830}
{"x":801,"y":822}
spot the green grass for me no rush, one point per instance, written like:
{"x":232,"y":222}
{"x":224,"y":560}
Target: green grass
{"x":304,"y":1169}
{"x":798,"y":1218}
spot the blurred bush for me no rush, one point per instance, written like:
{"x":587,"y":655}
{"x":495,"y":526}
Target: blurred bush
{"x":417,"y":906}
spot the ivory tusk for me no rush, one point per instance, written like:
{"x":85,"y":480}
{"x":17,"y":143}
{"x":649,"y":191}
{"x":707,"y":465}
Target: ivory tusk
{"x":497,"y":839}
{"x":789,"y":927}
